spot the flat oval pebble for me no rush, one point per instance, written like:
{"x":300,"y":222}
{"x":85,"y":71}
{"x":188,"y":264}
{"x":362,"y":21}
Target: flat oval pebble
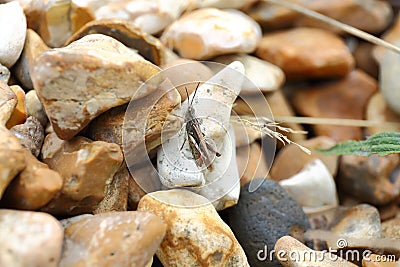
{"x":112,"y":239}
{"x":307,"y":53}
{"x":29,"y":239}
{"x":209,"y":32}
{"x":12,"y":32}
{"x":261,"y":217}
{"x":196,"y":235}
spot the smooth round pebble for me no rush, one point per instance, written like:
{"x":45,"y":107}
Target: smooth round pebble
{"x":209,"y":32}
{"x":12,"y":33}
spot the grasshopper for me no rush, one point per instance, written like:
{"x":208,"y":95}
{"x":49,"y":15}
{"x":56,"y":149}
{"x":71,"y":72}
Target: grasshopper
{"x":201,"y":149}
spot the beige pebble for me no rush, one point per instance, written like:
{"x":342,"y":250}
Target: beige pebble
{"x":209,"y":32}
{"x":195,"y":235}
{"x":12,"y":159}
{"x":12,"y":32}
{"x":112,"y":239}
{"x":306,"y":53}
{"x":29,"y":239}
{"x":86,"y":168}
{"x":35,"y":108}
{"x":50,"y":19}
{"x":88,"y":82}
{"x":356,"y":223}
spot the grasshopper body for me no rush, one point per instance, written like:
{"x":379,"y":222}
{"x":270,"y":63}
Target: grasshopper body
{"x":201,"y":149}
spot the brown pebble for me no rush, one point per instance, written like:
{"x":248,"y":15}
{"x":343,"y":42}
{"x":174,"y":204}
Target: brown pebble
{"x":34,"y":187}
{"x":86,"y":168}
{"x":367,"y":178}
{"x":116,"y":196}
{"x":343,"y":99}
{"x":307,"y":53}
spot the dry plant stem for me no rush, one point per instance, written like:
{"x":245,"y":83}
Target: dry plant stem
{"x":334,"y":121}
{"x":344,"y":27}
{"x":264,"y":125}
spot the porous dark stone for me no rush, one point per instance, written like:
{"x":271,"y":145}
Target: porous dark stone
{"x":260,"y":218}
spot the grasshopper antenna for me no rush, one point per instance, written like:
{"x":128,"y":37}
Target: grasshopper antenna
{"x":195,"y":91}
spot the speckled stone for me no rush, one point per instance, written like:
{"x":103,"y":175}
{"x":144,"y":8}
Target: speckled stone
{"x":358,"y":222}
{"x":29,"y":239}
{"x":112,"y":239}
{"x":260,"y":218}
{"x":30,"y":134}
{"x":367,"y":178}
{"x":196,"y":235}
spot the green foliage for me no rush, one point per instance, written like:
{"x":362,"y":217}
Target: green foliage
{"x":382,"y":144}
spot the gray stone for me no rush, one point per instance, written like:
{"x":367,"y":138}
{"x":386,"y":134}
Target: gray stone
{"x":262,"y":217}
